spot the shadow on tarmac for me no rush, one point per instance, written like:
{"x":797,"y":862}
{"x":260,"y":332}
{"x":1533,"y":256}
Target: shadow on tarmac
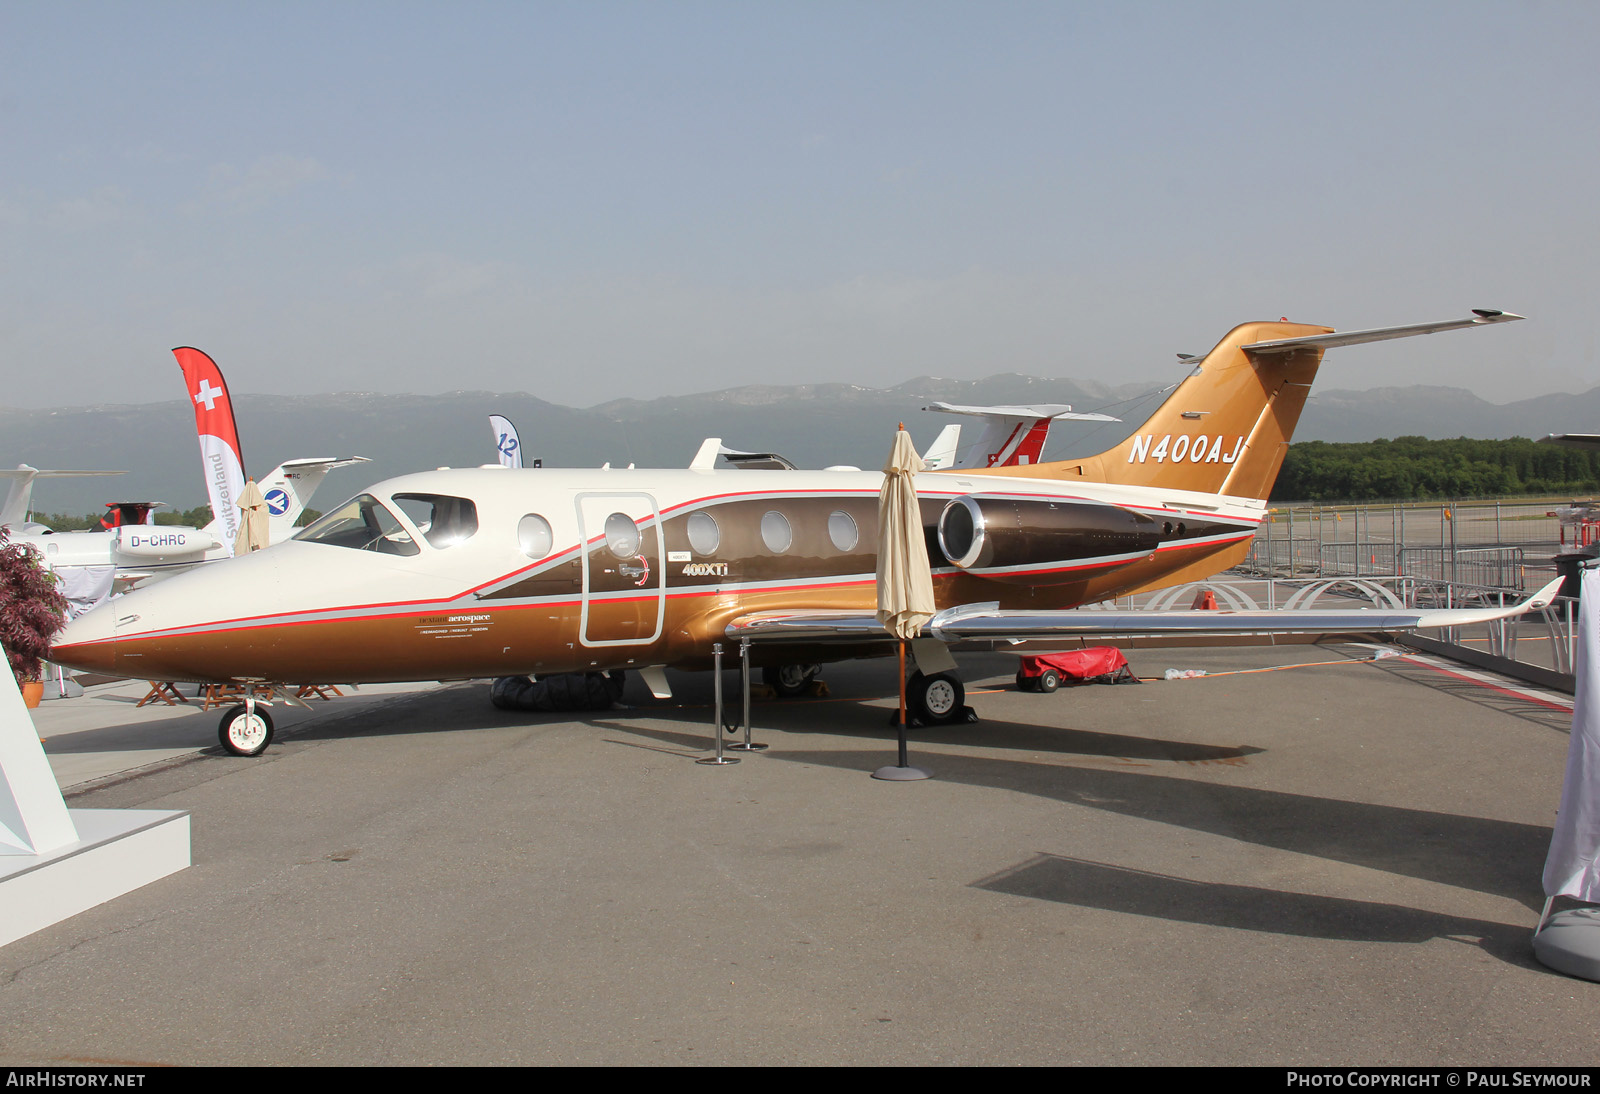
{"x":1475,"y":693}
{"x":1099,"y":885}
{"x":1481,"y":854}
{"x":1477,"y":853}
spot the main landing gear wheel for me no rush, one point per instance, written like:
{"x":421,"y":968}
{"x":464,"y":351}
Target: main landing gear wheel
{"x":937,"y":698}
{"x":243,"y":733}
{"x":790,"y":680}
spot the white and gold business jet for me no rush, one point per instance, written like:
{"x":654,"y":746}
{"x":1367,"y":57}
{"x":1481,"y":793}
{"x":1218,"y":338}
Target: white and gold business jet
{"x":495,"y":572}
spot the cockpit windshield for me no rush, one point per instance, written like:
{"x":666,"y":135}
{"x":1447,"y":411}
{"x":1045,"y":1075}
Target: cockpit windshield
{"x":363,"y":524}
{"x":442,"y":519}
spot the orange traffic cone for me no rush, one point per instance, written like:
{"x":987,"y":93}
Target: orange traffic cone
{"x":1206,"y":600}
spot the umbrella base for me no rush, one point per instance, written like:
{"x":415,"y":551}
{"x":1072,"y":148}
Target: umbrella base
{"x":1570,"y":943}
{"x":901,"y":774}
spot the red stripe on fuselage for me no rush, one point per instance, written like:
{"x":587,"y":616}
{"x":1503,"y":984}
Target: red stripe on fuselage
{"x":347,"y":614}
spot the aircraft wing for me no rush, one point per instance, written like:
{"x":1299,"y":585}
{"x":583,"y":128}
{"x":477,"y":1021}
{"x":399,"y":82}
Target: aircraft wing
{"x":987,"y":623}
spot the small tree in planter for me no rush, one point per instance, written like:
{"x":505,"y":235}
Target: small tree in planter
{"x":32,"y":609}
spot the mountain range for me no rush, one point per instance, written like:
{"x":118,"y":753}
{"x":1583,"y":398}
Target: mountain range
{"x":814,"y":425}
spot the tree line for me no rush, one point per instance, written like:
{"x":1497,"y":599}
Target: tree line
{"x":1325,"y":471}
{"x":198,"y":517}
{"x":1415,"y":467}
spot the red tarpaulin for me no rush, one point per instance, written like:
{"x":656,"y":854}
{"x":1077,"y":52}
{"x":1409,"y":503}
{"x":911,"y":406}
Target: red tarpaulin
{"x":1097,"y":664}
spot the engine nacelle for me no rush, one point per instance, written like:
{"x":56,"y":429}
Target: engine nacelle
{"x":161,"y":543}
{"x":1026,"y":542}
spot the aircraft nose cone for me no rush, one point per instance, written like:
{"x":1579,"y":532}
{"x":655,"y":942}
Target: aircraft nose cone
{"x":88,"y":642}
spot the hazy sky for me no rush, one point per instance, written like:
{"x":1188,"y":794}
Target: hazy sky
{"x":590,"y":200}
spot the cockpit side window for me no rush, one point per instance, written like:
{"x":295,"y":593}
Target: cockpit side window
{"x":362,"y":523}
{"x":444,"y":520}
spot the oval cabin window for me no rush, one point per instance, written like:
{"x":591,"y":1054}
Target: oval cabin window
{"x":534,"y":536}
{"x":704,"y":535}
{"x":775,"y":532}
{"x":622,"y":536}
{"x":842,"y":531}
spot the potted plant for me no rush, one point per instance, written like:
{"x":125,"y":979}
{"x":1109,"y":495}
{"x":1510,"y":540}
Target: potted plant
{"x":32,"y":613}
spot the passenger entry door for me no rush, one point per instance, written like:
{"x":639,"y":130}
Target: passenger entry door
{"x":624,"y":580}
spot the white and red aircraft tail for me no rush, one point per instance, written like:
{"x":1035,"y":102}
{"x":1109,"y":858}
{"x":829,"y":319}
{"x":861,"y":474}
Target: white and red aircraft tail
{"x":288,"y":489}
{"x":1013,"y":436}
{"x":19,"y":498}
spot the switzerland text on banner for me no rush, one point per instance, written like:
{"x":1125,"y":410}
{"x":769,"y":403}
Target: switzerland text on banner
{"x":219,"y":438}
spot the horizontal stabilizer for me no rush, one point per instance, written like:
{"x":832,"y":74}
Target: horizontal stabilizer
{"x":19,"y":498}
{"x":1379,"y":334}
{"x":26,"y":472}
{"x":1053,"y":411}
{"x":1013,"y":436}
{"x":327,"y":463}
{"x":1585,"y":441}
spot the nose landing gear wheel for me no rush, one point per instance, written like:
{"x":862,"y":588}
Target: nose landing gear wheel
{"x":243,"y":733}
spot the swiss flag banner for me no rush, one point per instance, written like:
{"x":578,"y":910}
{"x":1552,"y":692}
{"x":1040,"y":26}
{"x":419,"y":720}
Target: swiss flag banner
{"x":219,"y":438}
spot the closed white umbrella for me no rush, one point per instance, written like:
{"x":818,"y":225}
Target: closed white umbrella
{"x":255,"y":529}
{"x":905,"y":580}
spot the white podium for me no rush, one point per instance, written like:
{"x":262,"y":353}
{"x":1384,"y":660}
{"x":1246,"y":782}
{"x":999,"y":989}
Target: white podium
{"x":56,"y":862}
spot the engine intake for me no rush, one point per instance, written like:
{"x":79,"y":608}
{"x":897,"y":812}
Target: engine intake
{"x":161,"y":542}
{"x":1027,"y":542}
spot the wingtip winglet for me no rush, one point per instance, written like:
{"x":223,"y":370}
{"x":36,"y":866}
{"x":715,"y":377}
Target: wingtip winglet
{"x":1544,"y":597}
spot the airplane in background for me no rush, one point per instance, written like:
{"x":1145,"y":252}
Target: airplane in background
{"x":15,"y":512}
{"x":489,"y":572}
{"x":131,"y":549}
{"x":144,"y":552}
{"x":1013,"y":436}
{"x":1587,"y":442}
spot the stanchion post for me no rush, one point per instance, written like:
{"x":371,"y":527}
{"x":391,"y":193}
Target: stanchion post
{"x":744,"y":680}
{"x":716,"y":690}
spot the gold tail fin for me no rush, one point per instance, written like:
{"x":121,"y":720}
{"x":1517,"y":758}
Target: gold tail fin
{"x":1224,"y":430}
